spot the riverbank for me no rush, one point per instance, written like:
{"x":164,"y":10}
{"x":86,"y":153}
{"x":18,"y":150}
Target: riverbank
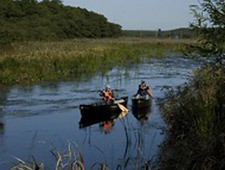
{"x":195,"y":116}
{"x":31,"y":62}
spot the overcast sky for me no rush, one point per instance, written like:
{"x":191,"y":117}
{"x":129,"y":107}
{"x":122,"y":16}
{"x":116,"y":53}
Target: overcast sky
{"x":141,"y":14}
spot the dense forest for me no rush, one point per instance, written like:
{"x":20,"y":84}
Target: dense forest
{"x":23,"y":20}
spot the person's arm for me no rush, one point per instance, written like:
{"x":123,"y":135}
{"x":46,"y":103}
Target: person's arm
{"x":113,"y":96}
{"x":102,"y":93}
{"x":138,"y":92}
{"x":150,"y":92}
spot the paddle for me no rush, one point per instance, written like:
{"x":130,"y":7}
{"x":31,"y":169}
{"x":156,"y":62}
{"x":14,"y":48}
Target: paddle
{"x":122,"y":114}
{"x":150,"y":93}
{"x":122,"y":107}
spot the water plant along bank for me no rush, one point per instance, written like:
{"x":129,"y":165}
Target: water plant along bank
{"x":195,"y":116}
{"x":49,"y":61}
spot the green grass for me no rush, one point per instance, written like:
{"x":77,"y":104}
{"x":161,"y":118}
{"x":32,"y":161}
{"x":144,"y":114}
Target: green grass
{"x":196,"y":121}
{"x":33,"y":62}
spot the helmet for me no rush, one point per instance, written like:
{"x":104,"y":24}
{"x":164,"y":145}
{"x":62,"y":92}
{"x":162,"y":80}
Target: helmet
{"x":107,"y":86}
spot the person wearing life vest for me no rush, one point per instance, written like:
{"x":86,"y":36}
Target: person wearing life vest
{"x":107,"y":94}
{"x":144,"y":90}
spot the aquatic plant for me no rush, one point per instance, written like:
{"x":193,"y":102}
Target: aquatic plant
{"x":27,"y":165}
{"x":71,"y":159}
{"x":71,"y":59}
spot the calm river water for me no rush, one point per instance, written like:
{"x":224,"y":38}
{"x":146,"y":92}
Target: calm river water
{"x":38,"y":119}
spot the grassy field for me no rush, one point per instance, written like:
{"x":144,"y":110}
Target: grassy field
{"x":31,"y":62}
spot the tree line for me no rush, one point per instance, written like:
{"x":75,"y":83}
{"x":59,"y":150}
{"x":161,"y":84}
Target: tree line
{"x":22,"y":20}
{"x":187,"y":33}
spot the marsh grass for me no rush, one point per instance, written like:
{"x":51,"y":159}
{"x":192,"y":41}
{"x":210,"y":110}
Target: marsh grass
{"x":27,"y":165}
{"x":196,"y":119}
{"x":70,"y":159}
{"x":32,"y":62}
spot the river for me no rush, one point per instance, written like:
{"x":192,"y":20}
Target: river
{"x":35,"y":120}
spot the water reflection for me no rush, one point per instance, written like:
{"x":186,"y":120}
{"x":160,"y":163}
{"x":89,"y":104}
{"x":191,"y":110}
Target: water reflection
{"x":105,"y":121}
{"x":1,"y":128}
{"x":142,"y":115}
{"x":106,"y":126}
{"x":93,"y":118}
{"x":3,"y":100}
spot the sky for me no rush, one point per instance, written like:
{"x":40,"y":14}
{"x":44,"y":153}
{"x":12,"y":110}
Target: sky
{"x":141,"y":14}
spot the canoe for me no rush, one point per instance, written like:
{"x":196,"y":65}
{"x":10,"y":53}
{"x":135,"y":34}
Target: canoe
{"x":102,"y":108}
{"x":95,"y":118}
{"x":141,"y":102}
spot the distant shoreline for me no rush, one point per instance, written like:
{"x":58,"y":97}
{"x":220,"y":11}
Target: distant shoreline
{"x":179,"y":33}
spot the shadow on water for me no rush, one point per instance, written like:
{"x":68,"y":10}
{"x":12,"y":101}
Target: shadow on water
{"x":143,"y":114}
{"x":105,"y":122}
{"x":86,"y":121}
{"x":3,"y":99}
{"x":1,"y":128}
{"x":141,"y":107}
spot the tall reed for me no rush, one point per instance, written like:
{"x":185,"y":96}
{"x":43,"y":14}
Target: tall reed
{"x":49,"y":61}
{"x":71,"y":159}
{"x":196,"y":120}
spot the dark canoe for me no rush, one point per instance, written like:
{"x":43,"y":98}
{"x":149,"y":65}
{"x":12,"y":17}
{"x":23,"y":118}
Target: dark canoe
{"x":101,"y":108}
{"x":141,"y":102}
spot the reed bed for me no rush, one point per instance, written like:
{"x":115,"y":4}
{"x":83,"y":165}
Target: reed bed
{"x":31,"y":62}
{"x":196,"y":120}
{"x":71,"y":159}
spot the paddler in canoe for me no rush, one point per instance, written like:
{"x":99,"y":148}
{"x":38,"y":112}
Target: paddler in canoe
{"x":108,"y":97}
{"x":143,"y":90}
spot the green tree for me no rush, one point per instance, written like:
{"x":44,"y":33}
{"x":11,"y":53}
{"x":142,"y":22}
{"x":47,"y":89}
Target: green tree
{"x":210,"y":27}
{"x":24,"y":20}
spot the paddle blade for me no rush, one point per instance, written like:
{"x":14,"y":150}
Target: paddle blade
{"x":122,"y":108}
{"x":122,"y":114}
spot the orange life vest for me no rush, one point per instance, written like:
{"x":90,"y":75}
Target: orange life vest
{"x":107,"y":95}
